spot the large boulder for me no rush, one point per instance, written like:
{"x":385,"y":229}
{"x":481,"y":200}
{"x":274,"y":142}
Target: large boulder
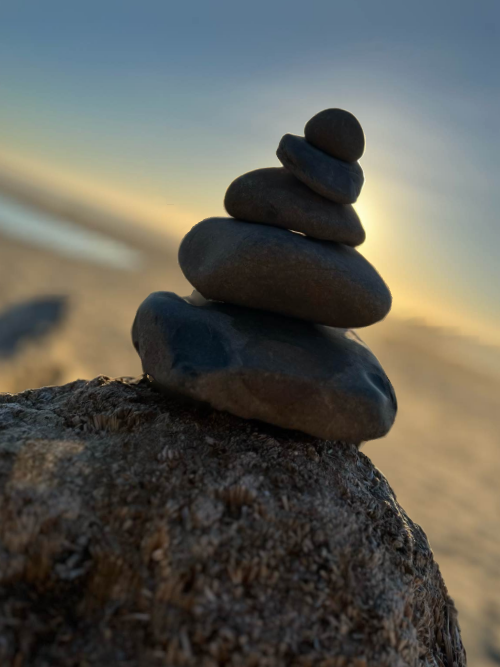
{"x":135,"y":530}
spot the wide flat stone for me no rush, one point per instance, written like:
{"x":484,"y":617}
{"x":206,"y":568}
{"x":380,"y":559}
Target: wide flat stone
{"x":338,"y":133}
{"x":293,"y":374}
{"x":274,"y":269}
{"x":334,"y":179}
{"x":274,"y":197}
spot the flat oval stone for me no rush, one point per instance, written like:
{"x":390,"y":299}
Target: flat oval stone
{"x":274,"y":269}
{"x":338,"y":133}
{"x":274,"y":197}
{"x":334,"y":179}
{"x":293,"y":374}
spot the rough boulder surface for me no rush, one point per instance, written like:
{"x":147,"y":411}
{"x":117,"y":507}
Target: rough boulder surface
{"x":135,"y":530}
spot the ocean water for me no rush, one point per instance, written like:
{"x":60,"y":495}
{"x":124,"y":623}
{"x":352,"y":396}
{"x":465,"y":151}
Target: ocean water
{"x":32,"y":226}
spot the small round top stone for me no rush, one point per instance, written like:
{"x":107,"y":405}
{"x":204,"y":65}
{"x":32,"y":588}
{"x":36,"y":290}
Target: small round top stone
{"x":338,"y":133}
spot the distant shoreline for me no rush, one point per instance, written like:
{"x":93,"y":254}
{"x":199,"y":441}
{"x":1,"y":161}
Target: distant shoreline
{"x":74,"y":209}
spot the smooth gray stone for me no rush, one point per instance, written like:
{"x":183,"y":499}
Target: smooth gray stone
{"x":293,"y":374}
{"x":274,"y":197}
{"x":338,"y":133}
{"x":334,"y":179}
{"x":265,"y":267}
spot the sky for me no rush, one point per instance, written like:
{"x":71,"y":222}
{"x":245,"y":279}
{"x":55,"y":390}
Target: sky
{"x":156,"y":107}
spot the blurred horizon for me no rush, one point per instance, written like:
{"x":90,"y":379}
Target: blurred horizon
{"x":147,"y":112}
{"x":69,"y":196}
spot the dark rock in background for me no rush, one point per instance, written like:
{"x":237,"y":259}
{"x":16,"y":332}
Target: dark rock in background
{"x":30,"y":321}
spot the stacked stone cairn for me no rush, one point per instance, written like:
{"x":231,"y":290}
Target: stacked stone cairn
{"x":278,"y":286}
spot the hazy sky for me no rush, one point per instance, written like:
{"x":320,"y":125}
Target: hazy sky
{"x":169,"y":102}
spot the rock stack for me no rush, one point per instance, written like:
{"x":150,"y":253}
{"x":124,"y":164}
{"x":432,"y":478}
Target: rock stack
{"x":278,"y":286}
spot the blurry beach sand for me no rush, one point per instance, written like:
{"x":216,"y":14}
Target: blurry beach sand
{"x":442,"y":456}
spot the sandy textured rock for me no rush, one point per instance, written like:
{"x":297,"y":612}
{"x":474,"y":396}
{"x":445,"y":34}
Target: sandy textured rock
{"x":265,"y":267}
{"x":336,"y":132}
{"x":135,"y":531}
{"x":290,"y":373}
{"x":274,"y":197}
{"x":334,"y":179}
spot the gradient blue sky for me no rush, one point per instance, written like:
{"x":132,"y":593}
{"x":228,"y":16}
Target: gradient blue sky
{"x":168,"y":102}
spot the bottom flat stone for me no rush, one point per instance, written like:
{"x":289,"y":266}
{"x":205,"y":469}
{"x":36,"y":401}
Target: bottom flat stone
{"x":257,"y":365}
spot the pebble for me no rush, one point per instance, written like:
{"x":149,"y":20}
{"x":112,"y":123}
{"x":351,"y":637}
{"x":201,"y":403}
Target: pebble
{"x":274,"y":269}
{"x":338,"y":133}
{"x":334,"y":179}
{"x":257,"y":365}
{"x":273,"y":196}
